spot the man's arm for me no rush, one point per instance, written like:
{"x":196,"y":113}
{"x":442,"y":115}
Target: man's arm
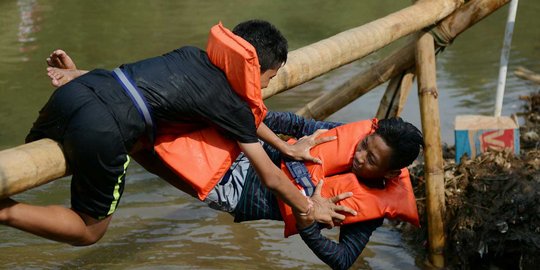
{"x":297,"y":151}
{"x":352,"y":241}
{"x":324,"y":210}
{"x":291,"y":124}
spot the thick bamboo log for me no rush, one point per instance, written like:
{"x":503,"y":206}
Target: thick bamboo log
{"x":396,"y":94}
{"x":433,"y":169}
{"x":401,"y":59}
{"x":527,"y":75}
{"x":30,"y":165}
{"x":318,"y":58}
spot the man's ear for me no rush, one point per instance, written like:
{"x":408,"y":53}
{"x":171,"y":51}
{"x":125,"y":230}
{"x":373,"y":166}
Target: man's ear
{"x":392,"y":174}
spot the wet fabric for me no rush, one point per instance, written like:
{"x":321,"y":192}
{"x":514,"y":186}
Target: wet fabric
{"x":184,"y":86}
{"x":93,"y":144}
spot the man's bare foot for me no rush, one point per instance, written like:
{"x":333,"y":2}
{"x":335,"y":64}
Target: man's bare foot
{"x":60,"y":59}
{"x":60,"y":76}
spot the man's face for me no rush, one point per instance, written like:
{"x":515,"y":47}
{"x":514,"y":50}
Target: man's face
{"x":372,"y":158}
{"x":267,"y":76}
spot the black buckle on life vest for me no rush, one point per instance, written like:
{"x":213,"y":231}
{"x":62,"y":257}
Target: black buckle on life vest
{"x":301,"y":175}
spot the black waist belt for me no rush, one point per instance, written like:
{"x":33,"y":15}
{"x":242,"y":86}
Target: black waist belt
{"x":138,"y":99}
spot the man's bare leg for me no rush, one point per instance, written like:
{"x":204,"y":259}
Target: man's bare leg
{"x":53,"y":222}
{"x":61,"y":68}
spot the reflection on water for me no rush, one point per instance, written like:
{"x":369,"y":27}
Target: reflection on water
{"x":158,"y":227}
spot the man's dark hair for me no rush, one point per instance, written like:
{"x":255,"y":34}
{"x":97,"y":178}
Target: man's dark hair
{"x":269,"y":43}
{"x":404,"y":139}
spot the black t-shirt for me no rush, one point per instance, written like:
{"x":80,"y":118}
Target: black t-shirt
{"x":184,"y":86}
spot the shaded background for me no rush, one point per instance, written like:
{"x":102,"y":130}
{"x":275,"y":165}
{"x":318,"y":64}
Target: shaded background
{"x":158,"y":227}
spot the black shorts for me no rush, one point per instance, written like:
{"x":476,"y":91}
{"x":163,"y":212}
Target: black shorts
{"x":92,"y":143}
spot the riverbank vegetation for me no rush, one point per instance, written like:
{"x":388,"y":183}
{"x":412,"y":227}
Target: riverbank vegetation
{"x":492,"y":216}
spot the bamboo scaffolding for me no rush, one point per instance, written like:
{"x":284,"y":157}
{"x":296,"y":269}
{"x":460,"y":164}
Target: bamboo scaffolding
{"x":318,"y":58}
{"x":300,"y":63}
{"x":303,"y":64}
{"x":433,"y":168}
{"x":398,"y":61}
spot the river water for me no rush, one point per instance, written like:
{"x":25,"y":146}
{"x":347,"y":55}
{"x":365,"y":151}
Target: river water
{"x":157,"y":226}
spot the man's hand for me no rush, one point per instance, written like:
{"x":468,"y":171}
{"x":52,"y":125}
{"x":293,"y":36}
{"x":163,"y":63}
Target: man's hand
{"x":325,"y":210}
{"x":300,"y":150}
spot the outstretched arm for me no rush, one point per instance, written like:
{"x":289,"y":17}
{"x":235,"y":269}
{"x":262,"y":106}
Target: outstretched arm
{"x":297,"y":151}
{"x":322,"y":210}
{"x":288,"y":123}
{"x":352,"y":241}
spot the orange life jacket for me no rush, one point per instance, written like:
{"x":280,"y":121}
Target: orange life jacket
{"x":202,"y":156}
{"x":238,"y":59}
{"x":396,"y":200}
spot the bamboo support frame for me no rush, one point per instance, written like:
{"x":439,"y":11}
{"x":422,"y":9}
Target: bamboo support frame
{"x":398,"y":61}
{"x":303,"y":64}
{"x":433,"y":168}
{"x":318,"y":58}
{"x":40,"y":162}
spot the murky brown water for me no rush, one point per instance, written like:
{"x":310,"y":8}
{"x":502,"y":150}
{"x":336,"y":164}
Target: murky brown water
{"x":158,"y":227}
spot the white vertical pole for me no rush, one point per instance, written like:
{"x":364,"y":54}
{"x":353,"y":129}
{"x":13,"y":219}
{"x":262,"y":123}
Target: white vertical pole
{"x":504,"y":56}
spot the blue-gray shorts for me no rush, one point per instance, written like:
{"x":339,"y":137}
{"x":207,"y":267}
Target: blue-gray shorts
{"x":227,"y":193}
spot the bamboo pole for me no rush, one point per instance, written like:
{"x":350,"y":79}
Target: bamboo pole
{"x":30,"y":165}
{"x":318,"y":58}
{"x":433,"y":169}
{"x":396,"y":94}
{"x":527,"y":75}
{"x":445,"y":32}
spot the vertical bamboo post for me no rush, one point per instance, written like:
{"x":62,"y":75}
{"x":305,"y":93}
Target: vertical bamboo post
{"x":396,"y":95}
{"x":433,"y":171}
